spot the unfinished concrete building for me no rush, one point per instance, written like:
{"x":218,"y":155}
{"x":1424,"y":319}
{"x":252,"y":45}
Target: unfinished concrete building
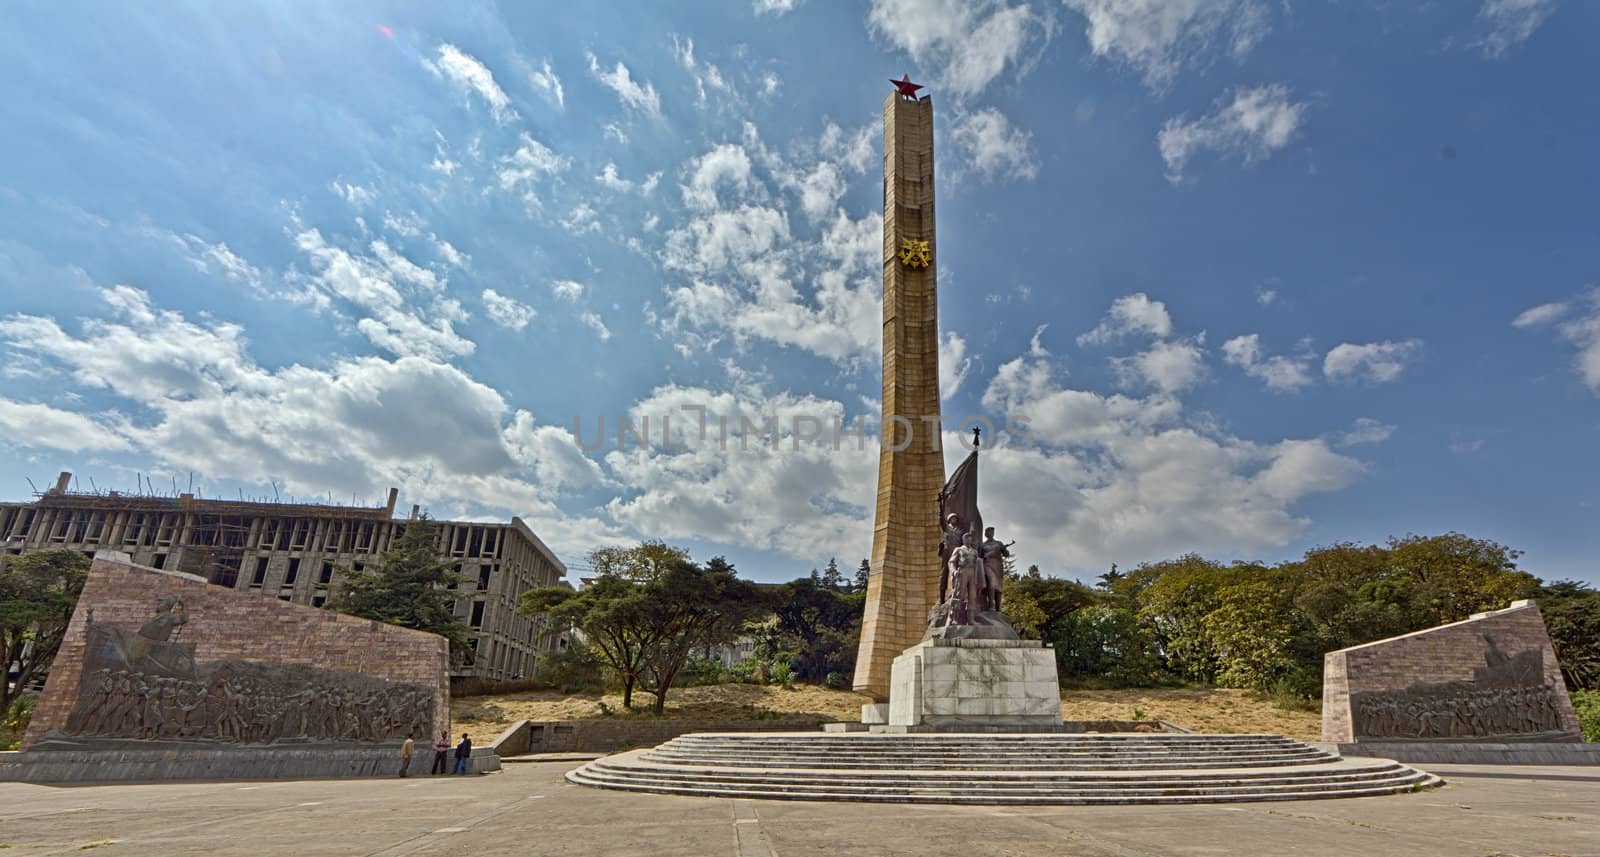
{"x":295,"y":552}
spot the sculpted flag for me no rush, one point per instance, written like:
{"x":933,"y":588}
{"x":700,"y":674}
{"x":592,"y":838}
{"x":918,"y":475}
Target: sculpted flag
{"x":960,"y":496}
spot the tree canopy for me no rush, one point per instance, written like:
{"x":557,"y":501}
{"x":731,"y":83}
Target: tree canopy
{"x":648,"y":609}
{"x":408,"y":586}
{"x":38,"y":591}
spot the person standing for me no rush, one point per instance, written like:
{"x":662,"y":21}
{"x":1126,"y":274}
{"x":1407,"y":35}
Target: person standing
{"x":463,"y":754}
{"x":441,"y":753}
{"x":405,"y":753}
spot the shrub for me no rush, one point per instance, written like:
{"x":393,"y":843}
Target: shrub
{"x":575,"y":668}
{"x":1300,"y":690}
{"x":749,"y":671}
{"x":1587,"y":704}
{"x":14,"y":721}
{"x":783,"y":674}
{"x":699,"y":670}
{"x":836,"y":680}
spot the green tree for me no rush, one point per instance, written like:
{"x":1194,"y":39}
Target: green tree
{"x":644,"y":561}
{"x":648,"y":610}
{"x":818,"y":628}
{"x":863,"y":575}
{"x":1572,"y":614}
{"x":688,"y":607}
{"x":38,"y":591}
{"x":407,"y":586}
{"x":1453,"y":576}
{"x":1110,"y":642}
{"x":1023,"y":611}
{"x":611,"y":614}
{"x":1175,"y":597}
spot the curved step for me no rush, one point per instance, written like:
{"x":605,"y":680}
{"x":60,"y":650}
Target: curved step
{"x":998,"y":769}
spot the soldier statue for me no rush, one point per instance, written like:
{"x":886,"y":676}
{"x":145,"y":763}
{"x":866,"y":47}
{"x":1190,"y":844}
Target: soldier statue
{"x":994,"y":553}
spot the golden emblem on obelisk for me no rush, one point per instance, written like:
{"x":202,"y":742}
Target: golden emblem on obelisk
{"x":914,"y":253}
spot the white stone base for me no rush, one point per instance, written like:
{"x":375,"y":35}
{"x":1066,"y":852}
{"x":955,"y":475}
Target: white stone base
{"x":874,"y":713}
{"x":981,"y":682}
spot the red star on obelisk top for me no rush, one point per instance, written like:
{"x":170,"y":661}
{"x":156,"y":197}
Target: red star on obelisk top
{"x":905,"y":87}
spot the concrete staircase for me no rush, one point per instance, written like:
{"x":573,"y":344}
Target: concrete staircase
{"x":998,"y":769}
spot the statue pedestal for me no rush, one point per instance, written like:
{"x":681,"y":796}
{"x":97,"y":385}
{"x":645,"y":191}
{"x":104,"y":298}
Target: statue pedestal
{"x":984,"y":683}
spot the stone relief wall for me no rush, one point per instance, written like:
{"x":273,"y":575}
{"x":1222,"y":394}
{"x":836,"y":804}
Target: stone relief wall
{"x":1490,"y":678}
{"x":161,"y":656}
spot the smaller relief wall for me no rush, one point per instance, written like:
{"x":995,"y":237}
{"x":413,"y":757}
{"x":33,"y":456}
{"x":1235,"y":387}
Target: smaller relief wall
{"x":1490,"y":678}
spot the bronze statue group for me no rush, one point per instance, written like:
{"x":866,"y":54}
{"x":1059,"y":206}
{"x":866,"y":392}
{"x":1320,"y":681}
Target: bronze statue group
{"x":972,"y":576}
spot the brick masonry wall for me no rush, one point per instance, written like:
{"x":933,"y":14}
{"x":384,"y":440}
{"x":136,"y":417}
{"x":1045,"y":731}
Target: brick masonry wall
{"x":228,"y":624}
{"x":560,"y":736}
{"x":1447,"y":653}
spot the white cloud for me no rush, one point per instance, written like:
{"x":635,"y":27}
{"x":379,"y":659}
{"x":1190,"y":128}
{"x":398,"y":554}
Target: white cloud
{"x":509,"y":313}
{"x":1541,"y":314}
{"x":449,"y":253}
{"x":970,"y":41}
{"x":776,"y":8}
{"x":1255,"y":123}
{"x":32,"y":425}
{"x":855,"y":151}
{"x":1167,"y":366}
{"x":217,"y":259}
{"x":1266,"y":297}
{"x":1508,"y":24}
{"x":390,"y":319}
{"x":742,"y":281}
{"x":613,"y":131}
{"x":1378,"y":362}
{"x":1280,"y":373}
{"x":820,"y":191}
{"x":185,"y":361}
{"x":408,"y":225}
{"x":593,"y":321}
{"x":357,"y":425}
{"x":1366,"y":430}
{"x":471,"y":77}
{"x":523,"y":168}
{"x":354,"y":195}
{"x":726,"y":164}
{"x":954,"y":364}
{"x":404,"y":269}
{"x":1160,"y":37}
{"x":632,"y":94}
{"x":608,"y":178}
{"x":1583,"y":331}
{"x":706,"y":75}
{"x":582,"y":219}
{"x":1124,"y":479}
{"x":800,"y":497}
{"x":770,"y":84}
{"x":994,"y":146}
{"x":1135,"y":313}
{"x":545,"y":80}
{"x":568,"y":290}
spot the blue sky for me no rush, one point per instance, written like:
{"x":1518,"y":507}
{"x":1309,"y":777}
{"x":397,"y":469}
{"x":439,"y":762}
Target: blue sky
{"x":1256,"y":276}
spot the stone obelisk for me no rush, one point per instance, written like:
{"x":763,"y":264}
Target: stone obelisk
{"x":905,"y":536}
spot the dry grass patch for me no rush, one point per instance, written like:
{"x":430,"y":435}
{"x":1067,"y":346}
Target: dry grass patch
{"x":1199,"y":709}
{"x":807,"y":705}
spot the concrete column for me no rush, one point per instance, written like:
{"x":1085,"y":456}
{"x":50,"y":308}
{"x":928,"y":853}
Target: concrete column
{"x":905,"y":535}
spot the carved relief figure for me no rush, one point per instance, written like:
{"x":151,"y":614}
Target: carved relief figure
{"x":147,"y":687}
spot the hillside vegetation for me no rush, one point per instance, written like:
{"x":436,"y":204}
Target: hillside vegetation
{"x":1201,"y":710}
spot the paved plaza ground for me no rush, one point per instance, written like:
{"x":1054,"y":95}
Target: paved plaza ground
{"x":529,"y":810}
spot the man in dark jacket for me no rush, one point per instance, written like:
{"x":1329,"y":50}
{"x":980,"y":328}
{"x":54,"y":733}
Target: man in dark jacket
{"x":463,"y":754}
